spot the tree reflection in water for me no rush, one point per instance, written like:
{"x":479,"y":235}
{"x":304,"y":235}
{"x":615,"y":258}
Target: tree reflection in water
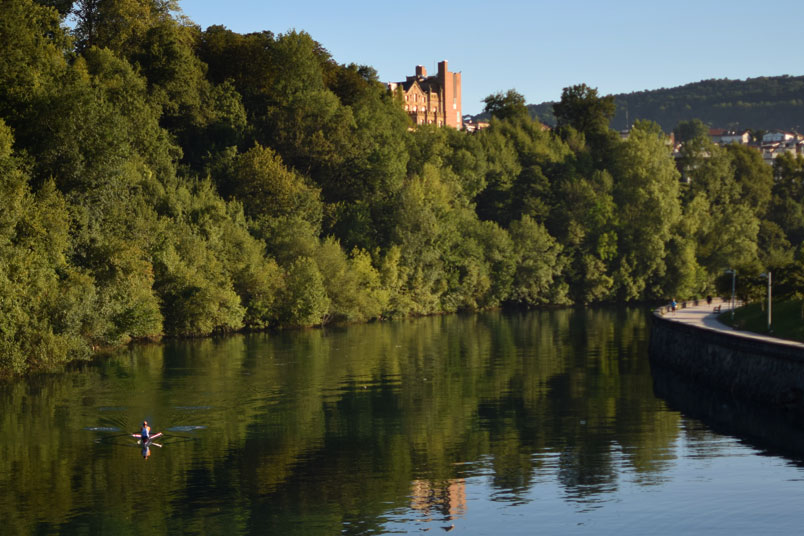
{"x":340,"y":429}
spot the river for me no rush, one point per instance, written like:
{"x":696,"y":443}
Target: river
{"x":546,"y":422}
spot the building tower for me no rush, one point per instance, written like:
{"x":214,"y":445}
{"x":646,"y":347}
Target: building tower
{"x":451,"y":92}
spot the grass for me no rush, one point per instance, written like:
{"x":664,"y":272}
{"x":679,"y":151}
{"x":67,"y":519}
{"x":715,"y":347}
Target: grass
{"x":786,"y":316}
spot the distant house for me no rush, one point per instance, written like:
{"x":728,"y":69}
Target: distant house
{"x":788,"y":142}
{"x":770,"y":151}
{"x":777,"y":136}
{"x":470,"y":125}
{"x":722,"y":136}
{"x":432,"y":100}
{"x":743,"y":138}
{"x":717,"y":133}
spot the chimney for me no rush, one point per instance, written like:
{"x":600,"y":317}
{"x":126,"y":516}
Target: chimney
{"x":421,"y":71}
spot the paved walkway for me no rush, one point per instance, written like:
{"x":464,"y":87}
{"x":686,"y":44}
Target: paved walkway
{"x":703,"y":316}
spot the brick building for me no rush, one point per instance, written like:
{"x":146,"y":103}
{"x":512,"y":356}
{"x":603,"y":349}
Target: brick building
{"x":432,"y":100}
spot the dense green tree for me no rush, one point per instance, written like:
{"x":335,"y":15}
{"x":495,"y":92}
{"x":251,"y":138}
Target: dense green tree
{"x":583,"y":221}
{"x":754,"y":176}
{"x":723,"y":223}
{"x":527,"y":187}
{"x":64,"y":7}
{"x":787,"y":204}
{"x":468,"y":161}
{"x":361,"y":189}
{"x":539,"y":265}
{"x":33,"y":60}
{"x":196,"y":266}
{"x":266,"y":188}
{"x":423,"y":225}
{"x":646,"y":193}
{"x":494,"y":202}
{"x":775,"y":251}
{"x":378,"y":160}
{"x":506,"y":106}
{"x":788,"y":280}
{"x":119,"y":25}
{"x":582,"y":112}
{"x":284,"y":209}
{"x":45,"y":301}
{"x":581,"y":108}
{"x":684,"y":276}
{"x":689,"y":130}
{"x":351,"y":82}
{"x":103,"y":128}
{"x":352,"y":284}
{"x":304,"y":299}
{"x":478,"y":265}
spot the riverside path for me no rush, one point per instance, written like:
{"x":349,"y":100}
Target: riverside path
{"x":705,"y":316}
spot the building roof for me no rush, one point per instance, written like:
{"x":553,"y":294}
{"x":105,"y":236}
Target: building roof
{"x":426,"y":84}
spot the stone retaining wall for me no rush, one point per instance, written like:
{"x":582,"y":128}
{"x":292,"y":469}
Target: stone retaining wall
{"x":759,"y":370}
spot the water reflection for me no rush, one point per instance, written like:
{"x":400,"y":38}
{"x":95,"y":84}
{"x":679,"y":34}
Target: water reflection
{"x":774,"y":431}
{"x":439,"y":500}
{"x":431,"y":423}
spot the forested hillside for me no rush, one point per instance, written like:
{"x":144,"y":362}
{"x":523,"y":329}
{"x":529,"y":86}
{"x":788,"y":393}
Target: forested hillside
{"x":162,"y":179}
{"x":764,"y":103}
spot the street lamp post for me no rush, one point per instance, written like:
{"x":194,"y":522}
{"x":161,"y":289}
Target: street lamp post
{"x":768,"y":277}
{"x":733,"y":277}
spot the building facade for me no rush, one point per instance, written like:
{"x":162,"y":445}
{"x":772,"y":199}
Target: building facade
{"x":432,"y":100}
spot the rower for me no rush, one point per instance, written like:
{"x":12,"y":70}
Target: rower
{"x":145,"y":433}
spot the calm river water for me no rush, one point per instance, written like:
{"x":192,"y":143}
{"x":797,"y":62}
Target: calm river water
{"x":535,"y":423}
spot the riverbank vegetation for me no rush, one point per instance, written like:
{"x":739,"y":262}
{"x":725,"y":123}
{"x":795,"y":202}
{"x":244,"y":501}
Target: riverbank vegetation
{"x":160,"y":179}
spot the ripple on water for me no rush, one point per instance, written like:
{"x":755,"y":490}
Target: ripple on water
{"x":102,"y":428}
{"x":185,"y":428}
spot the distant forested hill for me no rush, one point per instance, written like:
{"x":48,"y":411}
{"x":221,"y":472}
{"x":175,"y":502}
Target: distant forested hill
{"x":758,"y":103}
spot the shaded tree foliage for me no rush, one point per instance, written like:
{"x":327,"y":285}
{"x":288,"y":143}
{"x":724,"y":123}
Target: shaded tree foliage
{"x":505,"y":106}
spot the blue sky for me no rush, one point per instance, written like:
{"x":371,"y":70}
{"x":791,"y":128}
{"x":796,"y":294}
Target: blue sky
{"x":538,"y":47}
